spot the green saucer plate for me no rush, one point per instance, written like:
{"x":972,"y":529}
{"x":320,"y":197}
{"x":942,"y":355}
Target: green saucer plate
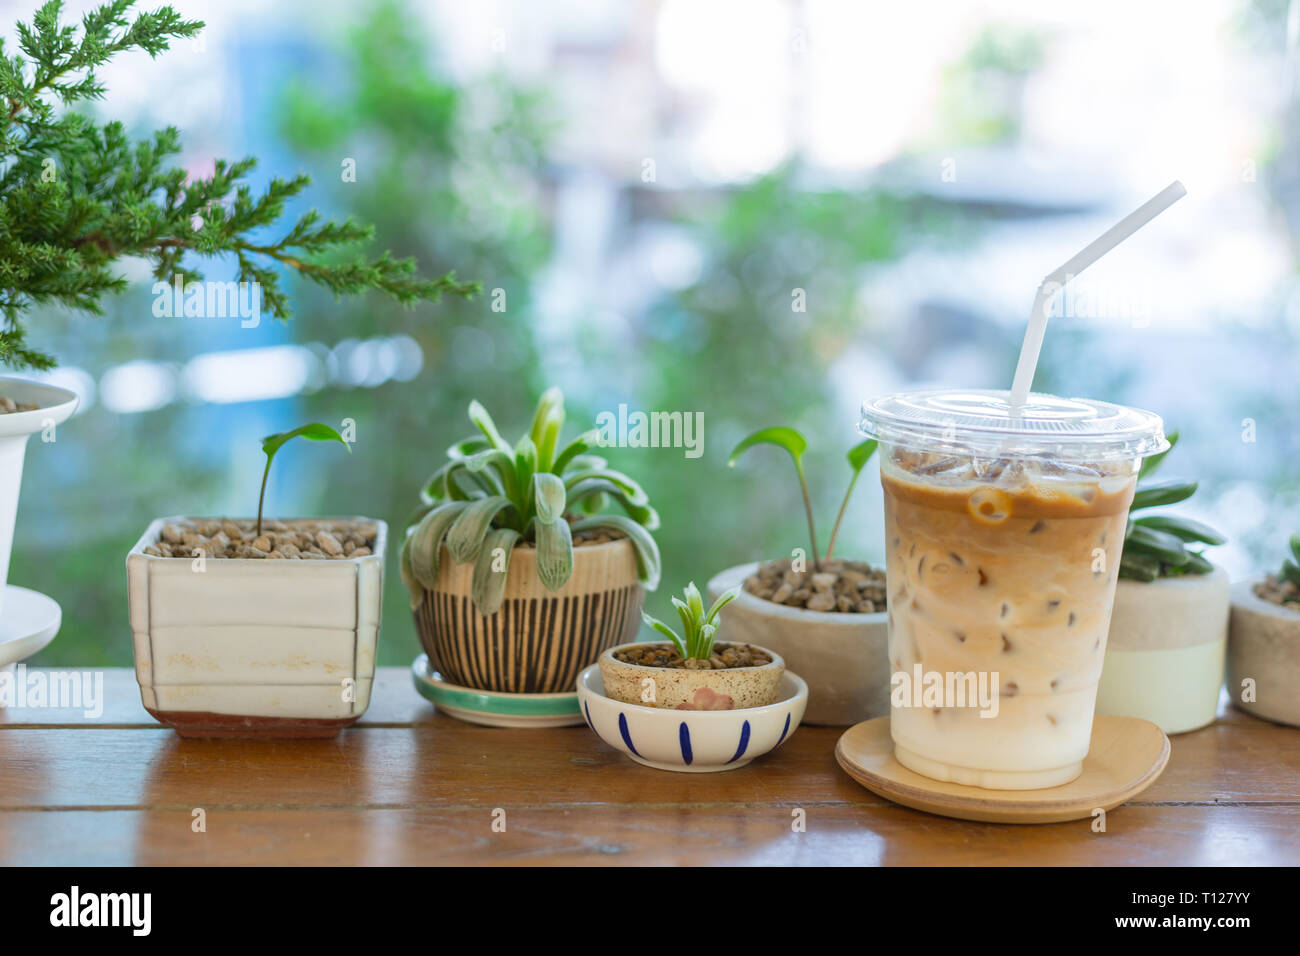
{"x":492,"y":708}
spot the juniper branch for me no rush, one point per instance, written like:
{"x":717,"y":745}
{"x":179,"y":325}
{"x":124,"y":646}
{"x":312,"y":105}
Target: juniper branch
{"x":78,"y":196}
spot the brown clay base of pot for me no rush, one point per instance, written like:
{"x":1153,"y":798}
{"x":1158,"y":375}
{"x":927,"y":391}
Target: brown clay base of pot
{"x":202,"y":724}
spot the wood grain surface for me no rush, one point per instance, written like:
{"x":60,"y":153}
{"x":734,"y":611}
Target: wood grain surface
{"x":1125,"y":757}
{"x":407,"y":785}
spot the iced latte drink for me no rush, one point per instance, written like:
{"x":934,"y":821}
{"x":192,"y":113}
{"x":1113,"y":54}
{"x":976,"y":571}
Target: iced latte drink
{"x":1003,"y":533}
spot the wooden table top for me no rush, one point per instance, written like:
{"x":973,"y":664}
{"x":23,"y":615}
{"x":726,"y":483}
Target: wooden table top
{"x":407,"y":785}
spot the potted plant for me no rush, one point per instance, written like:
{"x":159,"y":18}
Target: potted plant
{"x":692,"y":703}
{"x":246,"y":627}
{"x":691,"y":671}
{"x":825,"y":616}
{"x":78,"y":196}
{"x":518,"y":580}
{"x":1169,"y":626}
{"x":1264,"y":643}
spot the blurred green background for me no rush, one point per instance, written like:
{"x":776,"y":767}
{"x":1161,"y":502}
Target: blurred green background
{"x":647,"y":205}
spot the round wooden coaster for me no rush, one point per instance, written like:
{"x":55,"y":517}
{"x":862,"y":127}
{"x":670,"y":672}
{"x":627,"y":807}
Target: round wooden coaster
{"x":1126,"y":756}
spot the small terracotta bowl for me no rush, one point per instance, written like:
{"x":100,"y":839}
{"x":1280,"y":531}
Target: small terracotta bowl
{"x":675,"y":688}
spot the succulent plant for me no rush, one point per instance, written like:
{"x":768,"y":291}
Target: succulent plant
{"x":1290,"y":570}
{"x":273,"y":443}
{"x":698,"y":626}
{"x":794,"y":443}
{"x":1156,"y":546}
{"x":490,"y":497}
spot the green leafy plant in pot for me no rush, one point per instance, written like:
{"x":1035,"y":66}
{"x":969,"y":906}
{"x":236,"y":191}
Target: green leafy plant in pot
{"x":518,"y":576}
{"x":1169,"y":623}
{"x":825,"y":616}
{"x":690,"y":671}
{"x":258,"y":627}
{"x":831,"y":585}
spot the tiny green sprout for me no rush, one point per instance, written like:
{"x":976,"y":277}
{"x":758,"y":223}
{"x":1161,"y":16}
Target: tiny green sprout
{"x":698,"y":627}
{"x":794,"y":443}
{"x":272,"y":443}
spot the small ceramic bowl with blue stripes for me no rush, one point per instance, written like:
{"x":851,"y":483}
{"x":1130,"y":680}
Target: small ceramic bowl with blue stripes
{"x":692,"y":741}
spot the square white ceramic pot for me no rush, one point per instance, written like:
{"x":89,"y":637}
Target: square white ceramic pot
{"x":254,"y":647}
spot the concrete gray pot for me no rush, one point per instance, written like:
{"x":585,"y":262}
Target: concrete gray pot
{"x":1264,"y":647}
{"x":844,"y":658}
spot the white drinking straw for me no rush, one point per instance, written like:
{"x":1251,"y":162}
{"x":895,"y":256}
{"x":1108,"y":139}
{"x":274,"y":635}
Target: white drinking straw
{"x":1057,"y":280}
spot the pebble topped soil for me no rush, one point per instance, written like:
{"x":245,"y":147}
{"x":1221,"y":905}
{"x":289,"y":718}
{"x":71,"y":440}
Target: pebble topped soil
{"x":851,"y":587}
{"x":1279,"y":591}
{"x":301,"y":540}
{"x":725,"y":656}
{"x":8,"y":405}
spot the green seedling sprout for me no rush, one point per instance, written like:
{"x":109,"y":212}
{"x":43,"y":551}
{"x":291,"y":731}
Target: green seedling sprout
{"x":698,"y":627}
{"x":795,"y":444}
{"x":273,"y":443}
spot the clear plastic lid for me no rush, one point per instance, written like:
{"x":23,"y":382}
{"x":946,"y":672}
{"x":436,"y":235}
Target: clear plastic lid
{"x":981,"y":423}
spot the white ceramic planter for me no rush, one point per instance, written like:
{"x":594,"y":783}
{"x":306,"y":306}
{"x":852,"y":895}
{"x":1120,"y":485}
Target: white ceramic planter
{"x":844,"y":658}
{"x":1165,"y":651}
{"x":692,"y":741}
{"x":1264,"y":649}
{"x":249,"y":647}
{"x":674,"y":688}
{"x":56,"y":404}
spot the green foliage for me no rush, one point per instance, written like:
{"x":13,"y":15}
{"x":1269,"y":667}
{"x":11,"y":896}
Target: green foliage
{"x":78,"y":196}
{"x":698,"y":627}
{"x":273,"y":443}
{"x":857,"y":456}
{"x":980,"y":92}
{"x":795,"y":444}
{"x":1290,"y":570}
{"x":491,"y":495}
{"x":451,"y":171}
{"x":791,"y":231}
{"x":1155,"y":546}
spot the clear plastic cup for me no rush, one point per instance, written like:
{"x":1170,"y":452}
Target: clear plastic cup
{"x":1004,"y":530}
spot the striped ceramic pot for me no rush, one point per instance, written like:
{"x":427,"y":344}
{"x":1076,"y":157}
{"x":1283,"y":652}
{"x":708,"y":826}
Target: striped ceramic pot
{"x":539,"y":640}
